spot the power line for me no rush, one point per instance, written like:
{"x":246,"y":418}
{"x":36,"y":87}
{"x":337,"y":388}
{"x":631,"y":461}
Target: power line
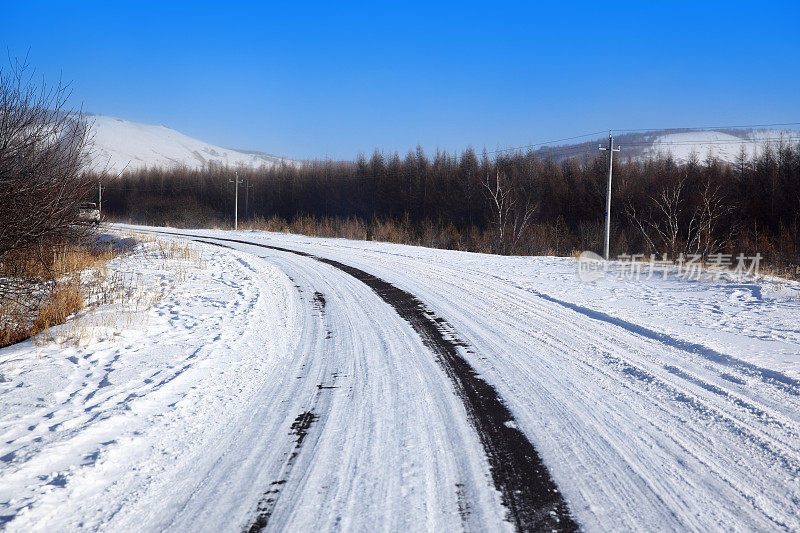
{"x":547,"y":151}
{"x":587,"y":146}
{"x":583,"y":148}
{"x":584,"y":145}
{"x":518,"y":148}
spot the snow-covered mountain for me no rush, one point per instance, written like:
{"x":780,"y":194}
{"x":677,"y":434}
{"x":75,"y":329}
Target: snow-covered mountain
{"x":723,"y":144}
{"x":726,"y":146}
{"x":120,"y":145}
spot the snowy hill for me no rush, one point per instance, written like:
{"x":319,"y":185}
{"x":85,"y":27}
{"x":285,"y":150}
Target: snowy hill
{"x":719,"y":144}
{"x":121,"y":145}
{"x":724,"y":144}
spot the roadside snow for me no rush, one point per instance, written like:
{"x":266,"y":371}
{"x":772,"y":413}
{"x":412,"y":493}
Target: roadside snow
{"x":81,"y":424}
{"x":267,"y":384}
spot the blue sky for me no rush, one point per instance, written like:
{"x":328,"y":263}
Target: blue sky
{"x":316,"y":80}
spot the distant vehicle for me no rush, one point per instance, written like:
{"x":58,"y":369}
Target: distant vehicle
{"x":89,"y":212}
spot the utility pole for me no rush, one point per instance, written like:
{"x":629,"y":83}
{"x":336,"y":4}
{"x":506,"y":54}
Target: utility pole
{"x":237,"y":181}
{"x":610,"y":149}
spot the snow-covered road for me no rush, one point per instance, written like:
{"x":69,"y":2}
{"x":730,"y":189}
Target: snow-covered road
{"x":298,"y":392}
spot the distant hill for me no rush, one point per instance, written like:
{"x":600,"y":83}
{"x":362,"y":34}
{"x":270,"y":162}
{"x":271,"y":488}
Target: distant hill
{"x":725,"y":144}
{"x":121,"y":145}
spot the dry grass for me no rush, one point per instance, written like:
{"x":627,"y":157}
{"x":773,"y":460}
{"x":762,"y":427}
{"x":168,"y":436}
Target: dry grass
{"x":537,"y":239}
{"x":788,"y":273}
{"x":347,"y":228}
{"x":44,"y":288}
{"x":70,"y":285}
{"x":65,"y":299}
{"x":400,"y":231}
{"x":132,"y":294}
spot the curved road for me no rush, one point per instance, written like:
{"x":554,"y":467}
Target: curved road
{"x":323,"y":384}
{"x":638,"y":428}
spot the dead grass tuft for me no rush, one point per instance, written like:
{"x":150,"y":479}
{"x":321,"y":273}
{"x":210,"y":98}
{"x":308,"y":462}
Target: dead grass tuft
{"x":65,"y":299}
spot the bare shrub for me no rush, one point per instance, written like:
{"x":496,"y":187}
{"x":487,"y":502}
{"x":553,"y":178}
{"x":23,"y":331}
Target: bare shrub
{"x":43,"y":152}
{"x":44,"y":148}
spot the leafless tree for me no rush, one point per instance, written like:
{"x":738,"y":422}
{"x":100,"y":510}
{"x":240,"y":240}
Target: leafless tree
{"x":704,"y":221}
{"x":511,"y":211}
{"x":660,"y":224}
{"x":43,"y":154}
{"x":640,"y":224}
{"x":668,"y":225}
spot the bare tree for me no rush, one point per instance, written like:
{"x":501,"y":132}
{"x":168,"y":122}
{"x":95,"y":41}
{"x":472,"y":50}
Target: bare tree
{"x":666,"y":224}
{"x":668,"y":227}
{"x":703,"y":224}
{"x":511,"y":211}
{"x":660,"y":225}
{"x":43,"y":154}
{"x":641,"y":224}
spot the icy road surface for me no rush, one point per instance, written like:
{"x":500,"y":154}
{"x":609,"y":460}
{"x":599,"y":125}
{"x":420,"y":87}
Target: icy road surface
{"x":361,"y":385}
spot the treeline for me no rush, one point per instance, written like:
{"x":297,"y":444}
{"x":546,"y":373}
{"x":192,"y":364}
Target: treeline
{"x":517,"y":203}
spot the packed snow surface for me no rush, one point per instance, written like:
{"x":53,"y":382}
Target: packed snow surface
{"x":269,"y":388}
{"x":120,"y":145}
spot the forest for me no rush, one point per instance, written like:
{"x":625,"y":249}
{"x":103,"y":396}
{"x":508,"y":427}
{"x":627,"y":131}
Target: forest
{"x":519,"y":203}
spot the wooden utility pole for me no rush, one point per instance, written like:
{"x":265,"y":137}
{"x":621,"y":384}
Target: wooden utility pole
{"x":610,"y":149}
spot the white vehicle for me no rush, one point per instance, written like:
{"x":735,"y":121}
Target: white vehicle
{"x":89,"y":212}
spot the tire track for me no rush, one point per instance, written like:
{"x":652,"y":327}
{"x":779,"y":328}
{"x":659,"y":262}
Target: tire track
{"x":531,"y":497}
{"x":315,"y":413}
{"x":265,"y":507}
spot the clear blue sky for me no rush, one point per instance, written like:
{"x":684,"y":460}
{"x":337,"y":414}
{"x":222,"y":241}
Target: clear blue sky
{"x":320,"y":79}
